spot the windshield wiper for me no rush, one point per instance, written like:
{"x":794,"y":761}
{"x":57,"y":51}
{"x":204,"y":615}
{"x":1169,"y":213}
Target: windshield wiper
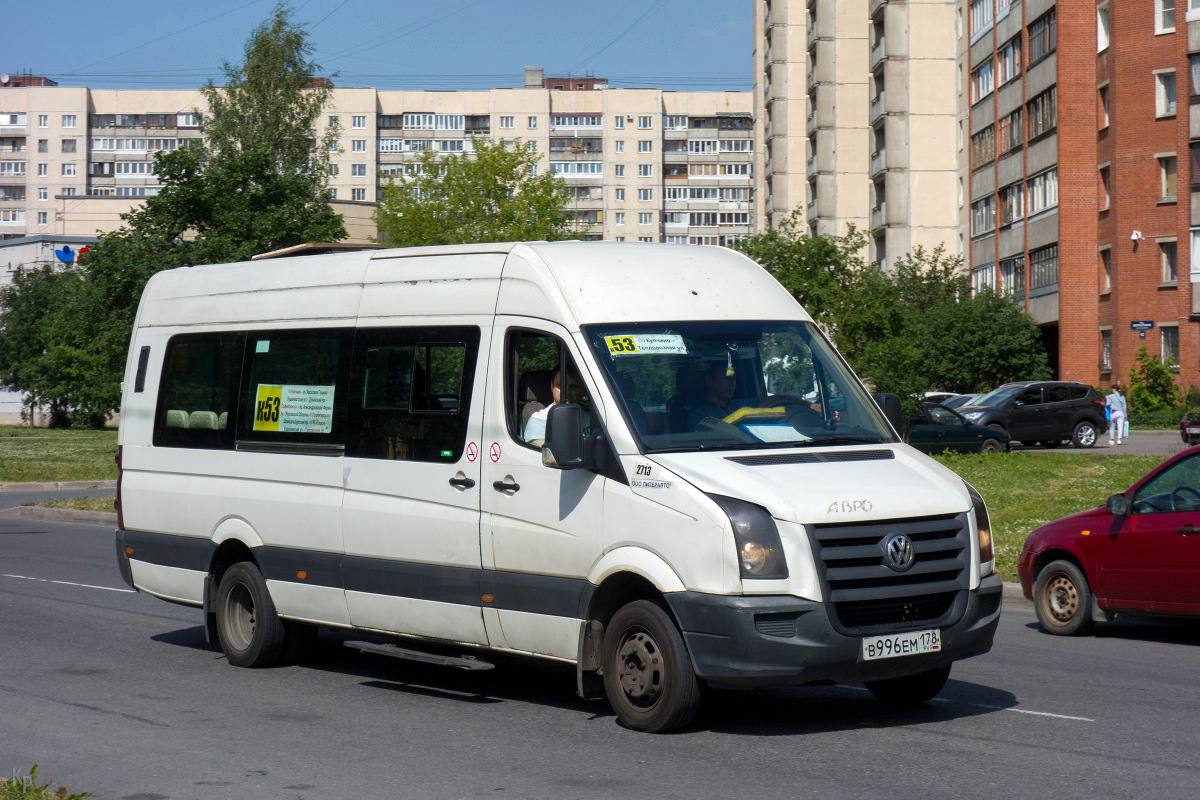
{"x":836,"y":440}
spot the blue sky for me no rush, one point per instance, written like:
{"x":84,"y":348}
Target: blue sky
{"x":434,"y":44}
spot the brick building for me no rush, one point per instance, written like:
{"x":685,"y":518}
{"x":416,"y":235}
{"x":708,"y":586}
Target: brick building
{"x":1074,"y":149}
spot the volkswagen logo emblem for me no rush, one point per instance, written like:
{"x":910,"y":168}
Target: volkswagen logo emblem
{"x":898,"y":552}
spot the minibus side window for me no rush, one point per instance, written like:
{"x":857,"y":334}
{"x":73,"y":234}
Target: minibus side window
{"x":532,"y":358}
{"x":410,"y":393}
{"x":295,"y":387}
{"x":197,"y":397}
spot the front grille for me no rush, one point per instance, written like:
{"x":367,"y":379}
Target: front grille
{"x":864,"y":594}
{"x":812,"y":458}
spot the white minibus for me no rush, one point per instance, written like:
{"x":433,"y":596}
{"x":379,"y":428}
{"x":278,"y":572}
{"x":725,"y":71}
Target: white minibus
{"x":644,"y":460}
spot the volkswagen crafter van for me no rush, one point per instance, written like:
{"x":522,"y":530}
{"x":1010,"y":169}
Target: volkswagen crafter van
{"x":641,"y":459}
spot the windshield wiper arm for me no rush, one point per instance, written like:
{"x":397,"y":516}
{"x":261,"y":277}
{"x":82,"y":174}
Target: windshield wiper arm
{"x":835,"y":440}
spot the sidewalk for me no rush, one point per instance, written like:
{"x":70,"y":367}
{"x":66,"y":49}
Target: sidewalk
{"x":52,"y":486}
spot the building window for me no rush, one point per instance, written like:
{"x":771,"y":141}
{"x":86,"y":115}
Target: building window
{"x":645,"y":170}
{"x":43,"y":170}
{"x":645,"y":146}
{"x":43,"y":193}
{"x":1164,"y":16}
{"x":1103,"y":110}
{"x":645,"y":218}
{"x":68,"y":120}
{"x":1170,"y":345}
{"x":1166,"y":171}
{"x":1009,"y":60}
{"x":1012,"y":277}
{"x":508,"y":122}
{"x":43,"y":218}
{"x":333,"y":194}
{"x":1012,"y":203}
{"x":358,"y":194}
{"x":981,"y":16}
{"x":619,"y":122}
{"x":68,"y":170}
{"x":43,"y":146}
{"x":983,"y":81}
{"x":675,"y":122}
{"x":43,"y":120}
{"x":335,"y":122}
{"x":531,"y":123}
{"x":1044,"y":267}
{"x":645,"y":195}
{"x":1009,"y":134}
{"x":619,"y":170}
{"x":1043,"y":191}
{"x":358,"y":146}
{"x":1164,"y":92}
{"x":1043,"y":113}
{"x":358,"y":170}
{"x":1043,"y":36}
{"x":983,"y":277}
{"x":620,"y":217}
{"x":1105,"y":188}
{"x":983,"y":147}
{"x":1105,"y":270}
{"x":1170,"y":263}
{"x":358,"y":122}
{"x":983,"y":215}
{"x":576,"y":167}
{"x":620,"y":196}
{"x":619,"y":146}
{"x":646,"y":239}
{"x":70,"y":192}
{"x":645,"y":123}
{"x":1106,"y":351}
{"x":1101,"y":27}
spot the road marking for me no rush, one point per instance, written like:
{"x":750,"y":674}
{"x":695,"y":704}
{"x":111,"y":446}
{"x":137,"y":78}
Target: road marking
{"x":989,"y":707}
{"x":68,"y":583}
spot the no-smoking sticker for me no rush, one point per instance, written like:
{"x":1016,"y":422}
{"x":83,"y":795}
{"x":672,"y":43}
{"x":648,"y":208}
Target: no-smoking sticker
{"x":472,"y":452}
{"x":494,"y":452}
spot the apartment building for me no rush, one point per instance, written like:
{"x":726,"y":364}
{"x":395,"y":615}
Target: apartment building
{"x":1073,"y":171}
{"x":857,"y":120}
{"x":642,"y":164}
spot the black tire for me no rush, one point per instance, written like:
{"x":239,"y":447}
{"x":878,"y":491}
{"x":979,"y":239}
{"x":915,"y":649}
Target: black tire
{"x":1086,"y":434}
{"x":1063,"y":599}
{"x":250,"y":631}
{"x":648,"y":674}
{"x":910,"y":690}
{"x":992,"y":446}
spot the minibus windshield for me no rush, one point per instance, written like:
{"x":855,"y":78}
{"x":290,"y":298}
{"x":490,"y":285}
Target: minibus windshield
{"x":734,"y":385}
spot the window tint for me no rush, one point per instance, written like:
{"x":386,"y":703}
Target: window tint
{"x":1058,"y":394}
{"x":1078,"y":392}
{"x":410,"y":393}
{"x":198,"y":392}
{"x":532,"y":367}
{"x":1029,"y":397}
{"x":291,"y":393}
{"x":1177,"y":488}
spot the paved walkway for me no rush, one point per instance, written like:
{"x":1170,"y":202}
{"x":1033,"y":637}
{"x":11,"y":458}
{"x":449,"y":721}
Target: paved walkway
{"x":1138,"y":443}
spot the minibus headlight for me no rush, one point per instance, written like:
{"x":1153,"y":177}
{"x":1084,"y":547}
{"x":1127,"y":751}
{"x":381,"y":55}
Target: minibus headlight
{"x":987,"y":555}
{"x":760,"y":554}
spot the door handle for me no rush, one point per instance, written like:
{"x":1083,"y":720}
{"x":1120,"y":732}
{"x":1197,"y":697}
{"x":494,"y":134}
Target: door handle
{"x":462,"y":483}
{"x":506,"y":487}
{"x":1188,"y":530}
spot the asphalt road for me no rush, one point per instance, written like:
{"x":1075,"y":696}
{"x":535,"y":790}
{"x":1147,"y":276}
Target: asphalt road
{"x":117,"y":693}
{"x":1138,"y":443}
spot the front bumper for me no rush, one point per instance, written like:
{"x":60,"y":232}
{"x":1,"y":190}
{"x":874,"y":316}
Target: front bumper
{"x":726,"y":639}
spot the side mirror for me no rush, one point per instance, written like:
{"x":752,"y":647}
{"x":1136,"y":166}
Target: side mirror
{"x":565,"y":446}
{"x":1117,"y":505}
{"x":889,"y":404}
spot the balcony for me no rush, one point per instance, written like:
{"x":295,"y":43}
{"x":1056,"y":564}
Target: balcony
{"x":878,"y":162}
{"x":879,"y":216}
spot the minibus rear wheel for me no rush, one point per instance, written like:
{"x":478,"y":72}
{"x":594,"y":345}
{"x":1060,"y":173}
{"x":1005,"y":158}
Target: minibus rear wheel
{"x":648,"y":673}
{"x":251,"y":633}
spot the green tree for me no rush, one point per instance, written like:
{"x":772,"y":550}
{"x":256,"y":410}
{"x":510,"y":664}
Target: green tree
{"x":255,"y":182}
{"x":1151,"y":383}
{"x":491,"y":196}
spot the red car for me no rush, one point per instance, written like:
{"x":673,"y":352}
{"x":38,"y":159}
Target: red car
{"x":1139,"y":554}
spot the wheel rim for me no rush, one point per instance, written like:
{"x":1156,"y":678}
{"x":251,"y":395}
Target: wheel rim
{"x":1087,"y":435}
{"x":239,"y":617}
{"x":640,"y":669}
{"x":991,"y":446}
{"x":1060,"y":599}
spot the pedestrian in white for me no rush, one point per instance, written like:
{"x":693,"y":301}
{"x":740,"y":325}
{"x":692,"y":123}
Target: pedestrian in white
{"x":1116,"y":407}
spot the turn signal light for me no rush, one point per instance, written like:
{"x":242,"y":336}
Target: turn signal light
{"x":128,"y":551}
{"x":301,"y":574}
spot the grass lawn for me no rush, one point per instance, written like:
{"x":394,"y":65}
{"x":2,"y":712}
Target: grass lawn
{"x":80,"y":503}
{"x":1025,"y":490}
{"x":42,"y":454}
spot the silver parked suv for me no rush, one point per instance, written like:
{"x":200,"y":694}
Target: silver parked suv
{"x":1045,"y":412}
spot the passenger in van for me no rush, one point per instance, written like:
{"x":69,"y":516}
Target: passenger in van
{"x":720,"y":383}
{"x":535,"y":427}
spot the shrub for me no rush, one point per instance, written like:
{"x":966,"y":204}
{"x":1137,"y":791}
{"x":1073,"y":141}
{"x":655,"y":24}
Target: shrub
{"x":1151,"y":384}
{"x":25,"y":787}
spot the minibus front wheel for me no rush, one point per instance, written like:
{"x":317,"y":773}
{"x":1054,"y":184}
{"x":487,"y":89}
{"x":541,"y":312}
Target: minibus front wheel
{"x":648,"y":673}
{"x":250,"y":631}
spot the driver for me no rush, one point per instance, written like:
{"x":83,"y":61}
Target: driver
{"x":720,"y":383}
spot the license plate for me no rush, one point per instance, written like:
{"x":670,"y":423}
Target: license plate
{"x":901,"y":644}
{"x":1193,"y":430}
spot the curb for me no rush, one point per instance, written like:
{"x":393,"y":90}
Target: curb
{"x":62,"y":515}
{"x":51,"y":486}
